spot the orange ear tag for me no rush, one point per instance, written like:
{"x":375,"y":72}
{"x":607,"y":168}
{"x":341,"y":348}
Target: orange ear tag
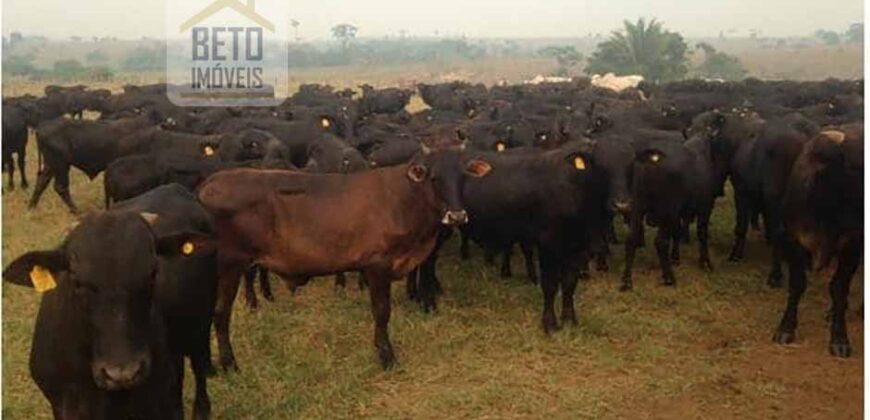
{"x":42,"y":279}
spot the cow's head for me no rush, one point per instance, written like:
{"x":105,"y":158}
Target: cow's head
{"x":106,"y":271}
{"x":615,"y":156}
{"x":446,"y":168}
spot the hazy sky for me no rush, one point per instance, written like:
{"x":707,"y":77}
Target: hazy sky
{"x":506,"y":18}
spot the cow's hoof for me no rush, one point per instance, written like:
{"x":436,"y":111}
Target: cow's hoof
{"x":734,"y":257}
{"x":228,"y":364}
{"x":386,"y":357}
{"x":675,"y":262}
{"x":669,"y":281}
{"x":625,"y":287}
{"x":840,"y":349}
{"x":784,"y":337}
{"x":269,"y":296}
{"x":550,"y":326}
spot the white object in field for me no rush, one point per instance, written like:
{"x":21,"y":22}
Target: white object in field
{"x":537,"y":80}
{"x":616,"y":83}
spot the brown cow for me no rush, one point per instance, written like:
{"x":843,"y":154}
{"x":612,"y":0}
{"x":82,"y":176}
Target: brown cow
{"x":382,"y":223}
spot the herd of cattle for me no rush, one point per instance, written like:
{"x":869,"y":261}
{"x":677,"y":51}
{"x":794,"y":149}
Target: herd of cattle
{"x":326,"y":184}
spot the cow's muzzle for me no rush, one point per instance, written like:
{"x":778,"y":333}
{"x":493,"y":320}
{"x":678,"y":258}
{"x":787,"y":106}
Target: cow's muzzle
{"x":621,"y":206}
{"x":455,"y":217}
{"x":120,"y":376}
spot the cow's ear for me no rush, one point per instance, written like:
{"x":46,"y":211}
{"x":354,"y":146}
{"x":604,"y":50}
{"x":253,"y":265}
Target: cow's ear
{"x":417,"y":172}
{"x":652,"y":156}
{"x":37,"y":269}
{"x":477,"y":168}
{"x":184,"y":244}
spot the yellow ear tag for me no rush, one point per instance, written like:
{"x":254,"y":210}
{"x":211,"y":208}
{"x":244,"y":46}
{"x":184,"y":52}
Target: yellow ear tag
{"x":579,"y":163}
{"x":499,"y":146}
{"x":654,"y":158}
{"x":208,"y":150}
{"x":187,"y":248}
{"x":42,"y":279}
{"x":324,"y":122}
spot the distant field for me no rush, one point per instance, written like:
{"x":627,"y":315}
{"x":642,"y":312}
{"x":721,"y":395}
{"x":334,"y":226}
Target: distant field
{"x":700,"y":350}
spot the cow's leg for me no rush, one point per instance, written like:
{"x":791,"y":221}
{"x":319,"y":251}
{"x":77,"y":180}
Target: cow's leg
{"x":797,"y":284}
{"x":675,"y":245}
{"x":506,"y":257}
{"x":412,"y":284}
{"x":755,"y":222}
{"x":685,"y":234}
{"x":61,"y":187}
{"x":250,"y":292}
{"x":632,"y":242}
{"x":847,"y":263}
{"x":228,"y":286}
{"x":550,"y":286}
{"x":265,"y":286}
{"x":666,"y":232}
{"x":774,"y":279}
{"x":9,"y":168}
{"x":361,"y":281}
{"x":464,"y":251}
{"x":177,"y":402}
{"x":340,"y":281}
{"x":704,"y":238}
{"x":379,"y":293}
{"x":42,"y":179}
{"x":611,"y":232}
{"x":601,"y":255}
{"x":741,"y":206}
{"x":569,"y":285}
{"x":22,"y":162}
{"x":427,"y":283}
{"x":200,"y":361}
{"x":529,"y":257}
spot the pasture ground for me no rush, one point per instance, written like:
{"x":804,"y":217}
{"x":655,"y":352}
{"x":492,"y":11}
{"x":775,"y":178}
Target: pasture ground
{"x":700,"y":350}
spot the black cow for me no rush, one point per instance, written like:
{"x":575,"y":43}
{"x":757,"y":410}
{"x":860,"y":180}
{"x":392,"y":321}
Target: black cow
{"x":553,"y":200}
{"x":383,"y":101}
{"x":758,"y":156}
{"x":824,"y":219}
{"x":100,"y":347}
{"x":87,"y":145}
{"x":672,"y":184}
{"x":187,"y":287}
{"x":18,"y":114}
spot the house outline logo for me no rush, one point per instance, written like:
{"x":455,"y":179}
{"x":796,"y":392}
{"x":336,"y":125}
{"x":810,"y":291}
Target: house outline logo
{"x":246,"y":10}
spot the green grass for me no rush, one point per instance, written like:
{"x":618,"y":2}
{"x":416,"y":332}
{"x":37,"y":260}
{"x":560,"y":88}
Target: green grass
{"x":700,"y":350}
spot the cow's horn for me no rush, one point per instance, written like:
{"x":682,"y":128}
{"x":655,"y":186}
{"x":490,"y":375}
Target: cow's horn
{"x":835,"y":136}
{"x":149,"y":218}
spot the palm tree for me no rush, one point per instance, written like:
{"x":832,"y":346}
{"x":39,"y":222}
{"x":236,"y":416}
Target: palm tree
{"x":641,"y":48}
{"x":344,"y":33}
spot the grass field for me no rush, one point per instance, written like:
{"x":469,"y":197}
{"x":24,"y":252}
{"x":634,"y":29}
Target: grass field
{"x":700,"y":350}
